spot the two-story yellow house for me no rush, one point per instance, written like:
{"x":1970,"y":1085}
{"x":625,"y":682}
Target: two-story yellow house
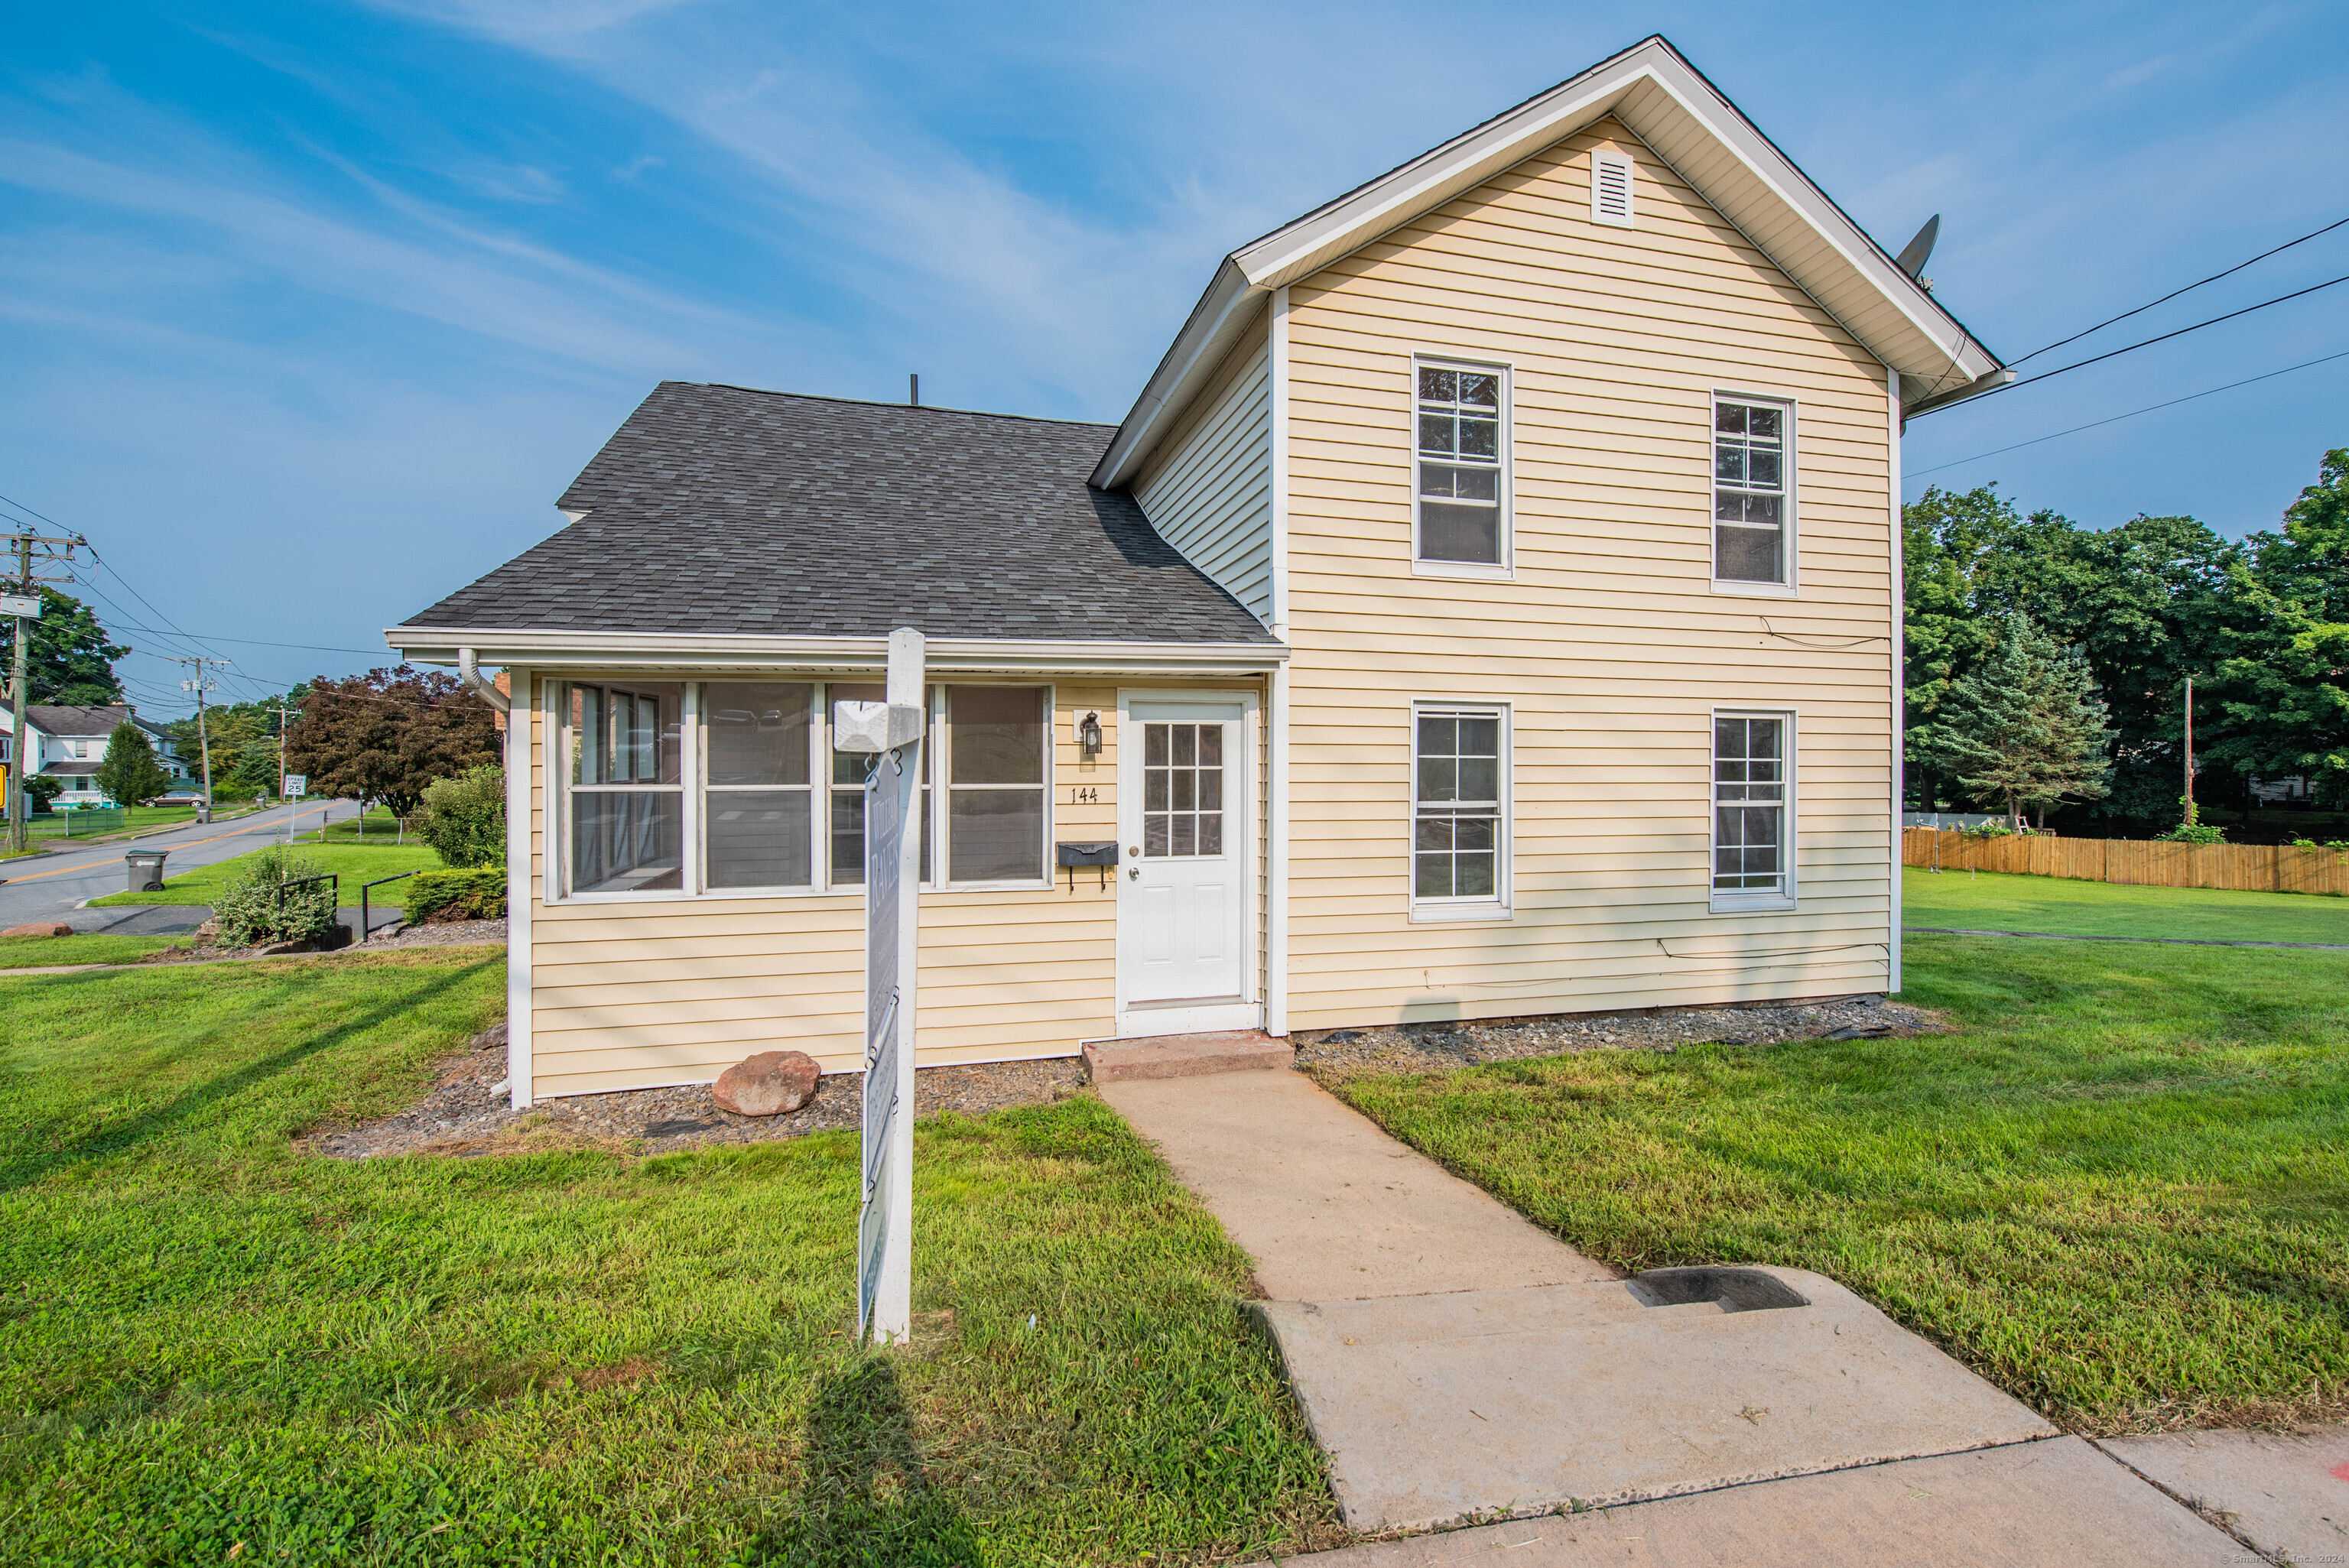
{"x":1490,"y":606}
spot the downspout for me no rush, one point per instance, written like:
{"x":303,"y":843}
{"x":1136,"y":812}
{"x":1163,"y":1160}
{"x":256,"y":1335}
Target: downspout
{"x":470,"y":673}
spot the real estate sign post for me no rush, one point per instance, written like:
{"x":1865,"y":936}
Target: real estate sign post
{"x":892,"y":731}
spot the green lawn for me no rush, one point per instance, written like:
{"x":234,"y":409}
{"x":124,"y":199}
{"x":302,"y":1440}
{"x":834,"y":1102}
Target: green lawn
{"x":379,"y":823}
{"x":580,"y":1356}
{"x":2118,"y":1191}
{"x":1991,"y":901}
{"x":355,"y":863}
{"x":20,"y":952}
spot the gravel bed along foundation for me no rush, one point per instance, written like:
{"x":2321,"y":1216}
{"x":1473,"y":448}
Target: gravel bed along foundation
{"x":1336,"y":1055}
{"x":470,"y":1113}
{"x":450,"y":933}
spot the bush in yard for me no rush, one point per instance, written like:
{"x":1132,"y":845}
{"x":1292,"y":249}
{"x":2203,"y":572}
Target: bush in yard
{"x":251,"y":910}
{"x":469,"y":892}
{"x":464,"y":818}
{"x":43,"y":792}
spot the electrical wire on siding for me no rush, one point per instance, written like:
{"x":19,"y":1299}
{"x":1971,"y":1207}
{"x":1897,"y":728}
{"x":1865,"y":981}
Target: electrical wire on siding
{"x":1819,"y":642}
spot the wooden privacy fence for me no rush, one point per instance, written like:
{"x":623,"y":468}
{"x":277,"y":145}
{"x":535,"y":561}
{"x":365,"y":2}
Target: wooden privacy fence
{"x":2240,"y":868}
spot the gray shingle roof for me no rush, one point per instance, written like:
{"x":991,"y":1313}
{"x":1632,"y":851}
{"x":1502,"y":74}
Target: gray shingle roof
{"x":64,"y":719}
{"x":718,"y":510}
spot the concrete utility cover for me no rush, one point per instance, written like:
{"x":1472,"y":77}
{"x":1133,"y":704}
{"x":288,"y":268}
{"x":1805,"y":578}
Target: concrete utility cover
{"x":2286,"y":1494}
{"x":1435,"y":1408}
{"x":2027,"y":1506}
{"x":1328,"y":1205}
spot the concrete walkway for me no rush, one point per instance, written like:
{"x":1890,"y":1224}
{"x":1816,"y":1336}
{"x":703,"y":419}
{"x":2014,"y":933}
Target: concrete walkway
{"x":1454,"y":1362}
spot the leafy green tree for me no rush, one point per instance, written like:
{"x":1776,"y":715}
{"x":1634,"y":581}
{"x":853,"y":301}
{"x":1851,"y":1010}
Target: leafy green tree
{"x":129,"y":773}
{"x":67,"y":658}
{"x":386,"y":735}
{"x":2283,"y":690}
{"x":256,"y":769}
{"x":2025,"y":727}
{"x":43,"y":789}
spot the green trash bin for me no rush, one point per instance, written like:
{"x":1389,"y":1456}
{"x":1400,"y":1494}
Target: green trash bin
{"x":145,"y":870}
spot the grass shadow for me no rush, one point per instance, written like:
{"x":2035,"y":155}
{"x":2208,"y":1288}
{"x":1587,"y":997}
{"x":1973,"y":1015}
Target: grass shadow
{"x":24,"y":1170}
{"x":865,"y":1495}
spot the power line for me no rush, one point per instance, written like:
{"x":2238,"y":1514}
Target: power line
{"x":257,"y":643}
{"x":2133,"y":413}
{"x":2149,"y":343}
{"x":2173,"y":293}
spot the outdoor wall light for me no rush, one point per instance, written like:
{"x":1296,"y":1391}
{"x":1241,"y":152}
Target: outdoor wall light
{"x":1088,"y":735}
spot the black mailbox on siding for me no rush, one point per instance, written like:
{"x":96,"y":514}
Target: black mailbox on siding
{"x":1073,"y":855}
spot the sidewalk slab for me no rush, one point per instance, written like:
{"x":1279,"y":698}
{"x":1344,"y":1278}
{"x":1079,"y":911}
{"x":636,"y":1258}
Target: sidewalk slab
{"x":1436,"y":1409}
{"x":2287,"y":1493}
{"x":2031,"y":1505}
{"x":1329,"y":1206}
{"x":1186,"y":1056}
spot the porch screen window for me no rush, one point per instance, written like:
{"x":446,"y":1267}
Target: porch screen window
{"x":1749,"y":492}
{"x":849,"y":771}
{"x":996,"y":737}
{"x":1182,"y":790}
{"x":1460,"y":499}
{"x":1748,"y":795}
{"x":758,"y":794}
{"x":627,"y":803}
{"x":1456,"y":806}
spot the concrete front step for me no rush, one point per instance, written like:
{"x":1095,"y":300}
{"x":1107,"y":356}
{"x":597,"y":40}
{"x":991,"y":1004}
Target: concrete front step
{"x":1186,"y":1056}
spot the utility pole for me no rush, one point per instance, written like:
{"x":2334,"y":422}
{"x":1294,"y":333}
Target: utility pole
{"x":199,"y":686}
{"x":22,"y":594}
{"x":2189,"y":751}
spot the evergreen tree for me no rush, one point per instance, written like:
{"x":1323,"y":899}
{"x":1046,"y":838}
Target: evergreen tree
{"x":129,"y":773}
{"x":2025,"y":727}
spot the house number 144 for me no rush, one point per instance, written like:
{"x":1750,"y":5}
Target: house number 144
{"x":1084,"y":795}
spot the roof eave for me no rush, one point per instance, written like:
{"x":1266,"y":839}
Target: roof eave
{"x":681,"y":652}
{"x":1920,"y":339}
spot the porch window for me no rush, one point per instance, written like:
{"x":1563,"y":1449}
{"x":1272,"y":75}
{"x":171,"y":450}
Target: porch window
{"x":758,"y":794}
{"x":1462,"y":486}
{"x":850,"y":769}
{"x":627,"y":798}
{"x":1750,"y":511}
{"x":996,"y":778}
{"x":1458,"y":808}
{"x":1751,"y":782}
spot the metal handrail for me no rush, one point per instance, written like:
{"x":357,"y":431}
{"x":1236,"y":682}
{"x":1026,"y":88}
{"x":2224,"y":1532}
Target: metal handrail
{"x":363,"y":931}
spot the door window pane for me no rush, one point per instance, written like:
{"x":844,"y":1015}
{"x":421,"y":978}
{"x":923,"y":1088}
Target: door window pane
{"x":1182,"y":790}
{"x":1456,"y":828}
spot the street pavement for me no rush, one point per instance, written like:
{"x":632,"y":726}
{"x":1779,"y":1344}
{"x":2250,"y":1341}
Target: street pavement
{"x":51,"y":886}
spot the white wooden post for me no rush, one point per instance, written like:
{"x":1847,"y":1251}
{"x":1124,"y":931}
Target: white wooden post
{"x":892,"y":730}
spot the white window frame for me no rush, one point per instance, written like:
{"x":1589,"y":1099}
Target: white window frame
{"x":1732,"y":902}
{"x":1790,"y":535}
{"x":935,"y":703}
{"x":942,"y":831}
{"x":1502,"y":905}
{"x":1505,"y":445}
{"x":819,"y":796}
{"x":556,"y":764}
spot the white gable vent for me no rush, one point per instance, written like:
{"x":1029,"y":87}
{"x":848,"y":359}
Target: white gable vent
{"x":1610,"y":187}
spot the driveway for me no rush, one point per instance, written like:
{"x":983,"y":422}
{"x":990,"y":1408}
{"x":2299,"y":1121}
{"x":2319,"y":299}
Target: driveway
{"x":51,"y":886}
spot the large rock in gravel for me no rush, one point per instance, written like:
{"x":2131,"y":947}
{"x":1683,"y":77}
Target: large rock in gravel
{"x":769,"y":1084}
{"x":40,"y":928}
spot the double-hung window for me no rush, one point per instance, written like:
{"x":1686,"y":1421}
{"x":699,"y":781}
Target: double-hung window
{"x":757,"y":793}
{"x":1459,"y":810}
{"x":627,"y":795}
{"x":1462,"y":480}
{"x":1753,"y":787}
{"x":1753,"y":510}
{"x":996,"y":742}
{"x":850,"y":769}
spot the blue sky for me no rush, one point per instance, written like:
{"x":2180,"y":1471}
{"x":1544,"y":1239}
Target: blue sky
{"x":310,"y":310}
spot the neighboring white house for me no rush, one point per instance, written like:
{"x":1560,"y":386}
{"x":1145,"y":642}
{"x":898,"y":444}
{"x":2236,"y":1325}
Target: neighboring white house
{"x":67,"y":742}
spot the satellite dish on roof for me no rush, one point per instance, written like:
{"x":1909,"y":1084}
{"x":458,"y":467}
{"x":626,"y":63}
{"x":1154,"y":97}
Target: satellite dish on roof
{"x":1917,"y":252}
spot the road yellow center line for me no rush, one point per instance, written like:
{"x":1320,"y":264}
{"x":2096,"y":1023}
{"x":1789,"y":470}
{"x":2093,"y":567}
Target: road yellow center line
{"x":93,"y":865}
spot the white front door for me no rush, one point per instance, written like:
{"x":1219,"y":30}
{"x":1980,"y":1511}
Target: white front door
{"x":1183,"y":946}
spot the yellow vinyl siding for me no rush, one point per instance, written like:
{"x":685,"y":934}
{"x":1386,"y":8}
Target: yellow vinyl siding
{"x":1208,"y":489}
{"x":634,"y":994}
{"x":1606,"y":639}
